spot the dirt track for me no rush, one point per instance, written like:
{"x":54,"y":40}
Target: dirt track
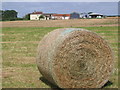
{"x":63,"y":23}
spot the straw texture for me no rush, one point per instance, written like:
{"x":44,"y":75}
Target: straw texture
{"x":75,"y":58}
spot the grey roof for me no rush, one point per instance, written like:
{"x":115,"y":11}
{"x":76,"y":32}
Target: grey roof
{"x":95,"y":14}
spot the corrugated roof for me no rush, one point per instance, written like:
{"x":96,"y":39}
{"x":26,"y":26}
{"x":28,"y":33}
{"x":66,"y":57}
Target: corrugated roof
{"x":95,"y":14}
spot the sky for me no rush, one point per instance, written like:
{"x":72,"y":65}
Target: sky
{"x":23,"y":8}
{"x":60,"y":0}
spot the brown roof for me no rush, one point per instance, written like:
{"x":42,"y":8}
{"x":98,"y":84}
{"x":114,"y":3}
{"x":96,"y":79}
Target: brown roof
{"x":61,"y":14}
{"x":37,"y":13}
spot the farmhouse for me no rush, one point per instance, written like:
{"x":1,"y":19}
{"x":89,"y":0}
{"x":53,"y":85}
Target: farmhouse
{"x":35,"y":15}
{"x":60,"y":16}
{"x":41,"y":16}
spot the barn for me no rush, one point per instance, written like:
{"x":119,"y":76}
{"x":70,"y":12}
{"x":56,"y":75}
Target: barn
{"x":74,"y":15}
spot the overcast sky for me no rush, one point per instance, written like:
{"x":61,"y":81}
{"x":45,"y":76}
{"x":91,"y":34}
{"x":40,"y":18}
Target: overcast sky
{"x":107,"y":8}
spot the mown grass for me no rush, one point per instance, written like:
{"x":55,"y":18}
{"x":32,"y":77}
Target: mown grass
{"x":19,"y":55}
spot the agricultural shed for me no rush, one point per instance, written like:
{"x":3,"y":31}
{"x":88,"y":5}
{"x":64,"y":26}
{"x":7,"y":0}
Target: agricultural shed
{"x":74,"y":15}
{"x":96,"y":15}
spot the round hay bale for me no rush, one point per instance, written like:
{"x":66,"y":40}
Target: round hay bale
{"x":75,"y":58}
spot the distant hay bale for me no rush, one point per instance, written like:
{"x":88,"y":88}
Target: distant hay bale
{"x":75,"y":58}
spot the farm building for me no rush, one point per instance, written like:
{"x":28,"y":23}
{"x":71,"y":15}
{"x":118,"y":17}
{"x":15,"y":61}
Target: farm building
{"x":60,"y":16}
{"x":74,"y":15}
{"x":35,"y":15}
{"x":54,"y":16}
{"x":48,"y":16}
{"x":84,"y":15}
{"x":96,"y":15}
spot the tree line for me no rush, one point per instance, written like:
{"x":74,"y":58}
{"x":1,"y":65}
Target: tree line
{"x":11,"y":15}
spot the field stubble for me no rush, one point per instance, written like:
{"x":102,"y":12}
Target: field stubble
{"x":63,"y":23}
{"x":19,"y":45}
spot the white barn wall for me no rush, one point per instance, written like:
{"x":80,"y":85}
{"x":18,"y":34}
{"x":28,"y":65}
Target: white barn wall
{"x":34,"y":16}
{"x":65,"y":17}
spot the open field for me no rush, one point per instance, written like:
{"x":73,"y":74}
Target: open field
{"x":19,"y":45}
{"x":19,"y":55}
{"x":63,"y":23}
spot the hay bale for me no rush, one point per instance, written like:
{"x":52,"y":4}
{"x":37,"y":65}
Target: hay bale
{"x":75,"y":58}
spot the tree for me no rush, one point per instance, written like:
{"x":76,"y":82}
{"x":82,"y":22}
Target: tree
{"x":1,"y":13}
{"x":9,"y":15}
{"x":41,"y":17}
{"x":27,"y":16}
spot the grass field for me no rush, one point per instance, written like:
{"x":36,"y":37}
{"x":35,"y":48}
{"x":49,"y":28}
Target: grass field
{"x":19,"y":55}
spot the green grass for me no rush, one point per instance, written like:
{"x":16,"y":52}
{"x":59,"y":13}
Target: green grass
{"x":19,"y":57}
